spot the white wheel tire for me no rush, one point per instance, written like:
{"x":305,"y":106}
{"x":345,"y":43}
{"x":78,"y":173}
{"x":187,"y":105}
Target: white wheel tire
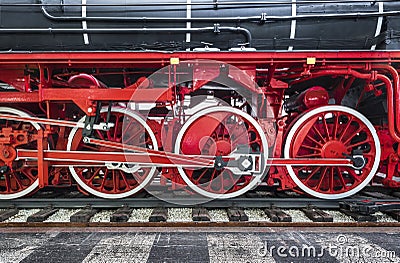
{"x":257,"y":178}
{"x":142,"y":184}
{"x":328,"y":108}
{"x":36,"y":182}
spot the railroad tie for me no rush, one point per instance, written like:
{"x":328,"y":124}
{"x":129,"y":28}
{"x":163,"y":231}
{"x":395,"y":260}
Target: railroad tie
{"x":359,"y":217}
{"x":159,"y":214}
{"x":200,"y":214}
{"x":395,"y":193}
{"x":395,"y":214}
{"x":122,"y":214}
{"x":42,"y":215}
{"x":277,"y":215}
{"x":6,"y":214}
{"x":317,"y":215}
{"x":237,"y":214}
{"x":84,"y":215}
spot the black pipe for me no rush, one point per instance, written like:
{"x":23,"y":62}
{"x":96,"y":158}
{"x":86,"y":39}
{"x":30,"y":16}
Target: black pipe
{"x":216,"y":29}
{"x":149,"y":19}
{"x":233,"y":3}
{"x":261,"y":18}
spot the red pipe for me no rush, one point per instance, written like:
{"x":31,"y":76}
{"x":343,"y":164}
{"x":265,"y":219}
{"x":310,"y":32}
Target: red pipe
{"x":344,"y":71}
{"x":395,"y":96}
{"x":393,"y":93}
{"x":354,"y":73}
{"x":391,"y":108}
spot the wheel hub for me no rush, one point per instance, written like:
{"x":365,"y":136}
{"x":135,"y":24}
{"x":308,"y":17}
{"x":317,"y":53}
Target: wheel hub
{"x":333,"y":149}
{"x":221,"y":148}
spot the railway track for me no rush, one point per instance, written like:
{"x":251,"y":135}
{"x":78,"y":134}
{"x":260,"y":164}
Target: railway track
{"x":74,"y":209}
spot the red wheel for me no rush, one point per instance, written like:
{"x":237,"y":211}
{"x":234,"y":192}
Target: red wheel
{"x":332,"y":132}
{"x":22,"y":177}
{"x":218,"y":131}
{"x":114,"y":180}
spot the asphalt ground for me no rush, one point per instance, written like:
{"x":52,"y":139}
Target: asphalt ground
{"x":155,"y":244}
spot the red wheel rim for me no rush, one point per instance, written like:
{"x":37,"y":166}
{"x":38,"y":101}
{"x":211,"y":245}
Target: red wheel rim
{"x":219,"y":133}
{"x":22,"y":177}
{"x":110,"y":181}
{"x":333,"y":134}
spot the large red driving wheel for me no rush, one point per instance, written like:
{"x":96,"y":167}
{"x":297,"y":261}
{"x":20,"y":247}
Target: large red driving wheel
{"x":114,"y":180}
{"x":332,"y":132}
{"x":22,"y":177}
{"x":219,"y":131}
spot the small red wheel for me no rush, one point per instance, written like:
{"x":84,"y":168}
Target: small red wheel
{"x":22,"y":178}
{"x":114,"y":180}
{"x":218,"y":131}
{"x":332,"y":132}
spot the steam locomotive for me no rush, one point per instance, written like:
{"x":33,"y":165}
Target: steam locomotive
{"x":213,"y":98}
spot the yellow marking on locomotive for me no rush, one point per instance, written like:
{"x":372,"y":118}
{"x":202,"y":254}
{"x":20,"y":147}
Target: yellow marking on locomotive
{"x":174,"y":61}
{"x":311,"y":61}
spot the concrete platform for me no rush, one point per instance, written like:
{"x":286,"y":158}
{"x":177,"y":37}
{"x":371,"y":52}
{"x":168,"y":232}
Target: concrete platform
{"x":199,"y":245}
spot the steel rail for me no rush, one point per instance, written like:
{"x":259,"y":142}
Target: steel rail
{"x":17,"y":227}
{"x":176,"y":202}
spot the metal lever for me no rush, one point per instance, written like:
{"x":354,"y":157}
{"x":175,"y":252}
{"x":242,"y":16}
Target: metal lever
{"x":357,"y":159}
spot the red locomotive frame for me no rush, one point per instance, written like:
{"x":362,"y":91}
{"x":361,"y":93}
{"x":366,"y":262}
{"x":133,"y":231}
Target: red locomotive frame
{"x":219,"y":149}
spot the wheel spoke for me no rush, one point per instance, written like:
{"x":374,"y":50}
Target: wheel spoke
{"x":8,"y":183}
{"x":201,"y":176}
{"x":350,"y":120}
{"x":313,"y":140}
{"x":310,"y":147}
{"x":221,"y":175}
{"x":116,"y":128}
{"x":100,"y":134}
{"x":325,"y":127}
{"x":335,"y":126}
{"x":318,"y":133}
{"x":314,"y":171}
{"x":127,"y":126}
{"x":90,"y":180}
{"x":350,"y":146}
{"x":341,"y":178}
{"x":309,"y":155}
{"x":352,"y":173}
{"x":353,"y":135}
{"x":103,"y":182}
{"x":332,"y":179}
{"x":18,"y":181}
{"x":28,"y":174}
{"x":255,"y":141}
{"x":324,"y":170}
{"x":211,"y":179}
{"x":133,"y":136}
{"x":234,"y":142}
{"x":114,"y":180}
